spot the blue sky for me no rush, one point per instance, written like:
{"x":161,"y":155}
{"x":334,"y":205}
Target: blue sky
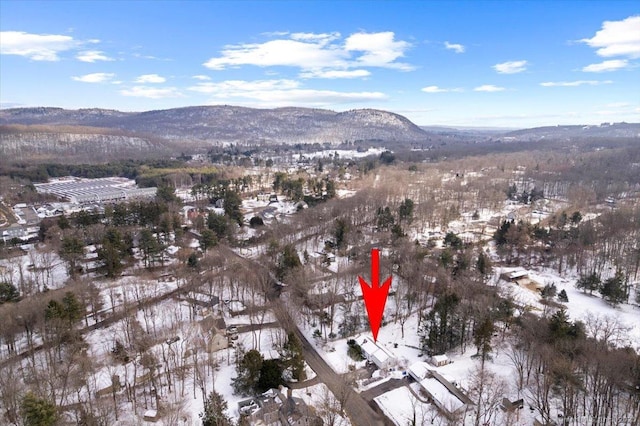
{"x":503,"y":63}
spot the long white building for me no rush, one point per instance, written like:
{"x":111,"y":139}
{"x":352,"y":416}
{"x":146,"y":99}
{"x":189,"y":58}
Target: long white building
{"x":101,"y":190}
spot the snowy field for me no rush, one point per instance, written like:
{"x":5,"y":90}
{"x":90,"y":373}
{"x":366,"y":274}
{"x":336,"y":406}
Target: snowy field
{"x":581,"y":306}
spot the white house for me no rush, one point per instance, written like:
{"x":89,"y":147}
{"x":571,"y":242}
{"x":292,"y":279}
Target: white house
{"x":447,"y":397}
{"x":382,"y":357}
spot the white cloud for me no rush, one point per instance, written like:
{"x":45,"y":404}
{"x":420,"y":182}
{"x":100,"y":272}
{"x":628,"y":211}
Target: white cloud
{"x":279,"y":53}
{"x":436,"y":89}
{"x":317,"y":53}
{"x":335,"y":74}
{"x":322,"y":39}
{"x":575,"y":83}
{"x":152,"y":92}
{"x":458,"y":48}
{"x":275,"y":33}
{"x":488,"y":88}
{"x":380,"y":50}
{"x":617,"y":38}
{"x":611,"y":65}
{"x":201,"y":77}
{"x":96,"y":77}
{"x":279,"y":93}
{"x":510,"y":67}
{"x":38,"y":47}
{"x":150,"y":78}
{"x":618,"y":105}
{"x":235,"y":87}
{"x":92,"y":56}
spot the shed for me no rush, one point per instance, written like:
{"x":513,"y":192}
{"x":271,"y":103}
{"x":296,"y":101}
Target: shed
{"x":439,"y":360}
{"x":151,"y":416}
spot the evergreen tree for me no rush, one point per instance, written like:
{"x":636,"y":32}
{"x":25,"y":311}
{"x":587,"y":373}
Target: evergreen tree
{"x":72,"y":251}
{"x":166,"y":193}
{"x":442,"y":328}
{"x":37,"y":411}
{"x":208,"y":240}
{"x":256,"y":221}
{"x":387,"y":157}
{"x":483,"y":265}
{"x":270,"y":375}
{"x":405,"y":212}
{"x":384,"y":218}
{"x":248,"y":372}
{"x":562,"y":296}
{"x":193,"y":261}
{"x":397,"y":231}
{"x":330,"y":188}
{"x":452,"y":240}
{"x":287,"y":261}
{"x":613,"y":289}
{"x":292,"y":357}
{"x":8,"y":293}
{"x":215,"y":411}
{"x":232,"y":204}
{"x":589,"y":282}
{"x":576,"y":217}
{"x":115,"y":247}
{"x":482,"y":336}
{"x":549,"y":291}
{"x":72,"y":309}
{"x":500,"y":236}
{"x":559,"y":324}
{"x":219,"y":225}
{"x":340,"y":232}
{"x":149,"y":247}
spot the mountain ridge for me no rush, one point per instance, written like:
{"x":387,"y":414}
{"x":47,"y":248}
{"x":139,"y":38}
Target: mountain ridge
{"x":96,"y":133}
{"x":225,"y":123}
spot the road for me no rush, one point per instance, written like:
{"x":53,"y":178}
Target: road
{"x":355,"y":406}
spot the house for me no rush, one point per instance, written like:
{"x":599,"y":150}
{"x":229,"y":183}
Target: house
{"x":14,"y":231}
{"x":439,"y":360}
{"x":217,"y":327}
{"x":151,"y":416}
{"x":382,"y":357}
{"x":445,"y":395}
{"x":515,"y":276}
{"x":510,"y":406}
{"x":260,"y":411}
{"x":273,"y":408}
{"x":262,"y":197}
{"x":294,"y":412}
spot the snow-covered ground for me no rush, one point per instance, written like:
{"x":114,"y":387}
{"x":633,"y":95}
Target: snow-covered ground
{"x":581,"y":306}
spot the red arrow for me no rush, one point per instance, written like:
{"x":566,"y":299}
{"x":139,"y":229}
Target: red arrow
{"x":375,"y":296}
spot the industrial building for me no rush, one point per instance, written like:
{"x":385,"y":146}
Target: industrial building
{"x":101,"y":190}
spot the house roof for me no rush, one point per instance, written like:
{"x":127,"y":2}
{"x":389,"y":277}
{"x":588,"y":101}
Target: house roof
{"x":419,"y":370}
{"x":441,"y":395}
{"x":439,"y":358}
{"x":518,"y":274}
{"x":377,"y":353}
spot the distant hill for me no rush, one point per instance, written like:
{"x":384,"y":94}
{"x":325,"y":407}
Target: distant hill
{"x":606,"y":130}
{"x":65,"y":143}
{"x":95,"y":134}
{"x":202,"y":126}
